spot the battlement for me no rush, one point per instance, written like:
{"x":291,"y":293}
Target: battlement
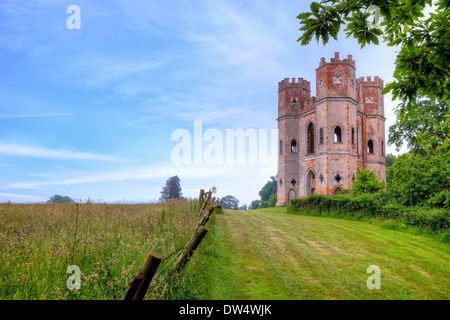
{"x":294,"y":83}
{"x":376,"y":82}
{"x":336,"y":59}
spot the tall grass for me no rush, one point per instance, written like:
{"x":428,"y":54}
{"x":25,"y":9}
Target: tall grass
{"x":109,"y":242}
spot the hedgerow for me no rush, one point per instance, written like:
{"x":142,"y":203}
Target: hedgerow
{"x":375,"y":205}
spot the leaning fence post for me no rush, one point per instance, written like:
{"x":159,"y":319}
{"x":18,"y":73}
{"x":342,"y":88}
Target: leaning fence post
{"x":200,"y":198}
{"x":189,"y":250}
{"x":141,"y":282}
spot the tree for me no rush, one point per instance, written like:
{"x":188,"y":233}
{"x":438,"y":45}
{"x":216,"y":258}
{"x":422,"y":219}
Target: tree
{"x":264,"y":204}
{"x":422,"y":68}
{"x":428,"y":117}
{"x":390,"y":160}
{"x":418,"y":180}
{"x":255,"y":204}
{"x":273,"y":200}
{"x":172,"y":189}
{"x":230,"y":202}
{"x":366,"y":182}
{"x":60,"y":199}
{"x":268,"y":189}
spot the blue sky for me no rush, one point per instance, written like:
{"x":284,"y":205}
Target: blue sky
{"x":89,"y":113}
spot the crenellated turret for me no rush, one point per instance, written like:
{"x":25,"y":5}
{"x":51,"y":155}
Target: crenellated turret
{"x":336,"y":79}
{"x":293,"y":95}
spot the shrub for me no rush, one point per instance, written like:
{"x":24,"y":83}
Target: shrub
{"x":373,"y":205}
{"x":366,"y":182}
{"x":434,"y":219}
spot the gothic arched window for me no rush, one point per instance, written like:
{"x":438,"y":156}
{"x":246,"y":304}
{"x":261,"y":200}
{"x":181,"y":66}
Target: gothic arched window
{"x":293,"y":145}
{"x":310,"y":138}
{"x":337,"y":134}
{"x":357,"y":138}
{"x":370,"y":146}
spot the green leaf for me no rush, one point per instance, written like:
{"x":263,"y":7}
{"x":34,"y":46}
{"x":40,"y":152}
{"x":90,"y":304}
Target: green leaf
{"x":315,"y":7}
{"x":411,"y":109}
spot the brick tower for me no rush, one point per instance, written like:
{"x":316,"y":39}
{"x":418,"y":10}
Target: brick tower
{"x":324,"y":139}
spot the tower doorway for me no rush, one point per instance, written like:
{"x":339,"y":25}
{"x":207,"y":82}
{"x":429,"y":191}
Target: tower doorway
{"x":310,"y":183}
{"x":291,"y":195}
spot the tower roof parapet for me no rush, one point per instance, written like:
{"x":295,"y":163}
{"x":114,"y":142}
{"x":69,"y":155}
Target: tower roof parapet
{"x":377,"y":81}
{"x":336,"y":59}
{"x":294,"y":83}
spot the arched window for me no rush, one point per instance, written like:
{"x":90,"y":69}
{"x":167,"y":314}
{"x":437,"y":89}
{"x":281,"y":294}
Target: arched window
{"x":337,"y":190}
{"x":382,"y":147}
{"x":357,"y":138}
{"x":370,"y":146}
{"x":293,"y":145}
{"x":310,"y":137}
{"x":353,"y":135}
{"x":321,"y":136}
{"x":337,"y":134}
{"x":281,"y":147}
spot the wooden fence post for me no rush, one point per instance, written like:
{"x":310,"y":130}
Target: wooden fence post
{"x":142,"y":280}
{"x":206,"y":201}
{"x":189,"y":250}
{"x":200,"y":198}
{"x":205,"y":218}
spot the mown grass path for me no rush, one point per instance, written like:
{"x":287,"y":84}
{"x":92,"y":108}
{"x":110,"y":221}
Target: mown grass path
{"x":269,"y":254}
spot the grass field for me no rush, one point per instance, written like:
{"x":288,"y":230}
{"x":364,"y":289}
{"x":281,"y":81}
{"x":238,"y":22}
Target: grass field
{"x":257,"y":254}
{"x":109,"y":242}
{"x":268,"y":254}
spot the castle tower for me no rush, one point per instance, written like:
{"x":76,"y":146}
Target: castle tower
{"x":294,"y":98}
{"x":373,"y":148}
{"x":323,"y":140}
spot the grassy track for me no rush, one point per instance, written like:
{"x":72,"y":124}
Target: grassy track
{"x":268,"y":254}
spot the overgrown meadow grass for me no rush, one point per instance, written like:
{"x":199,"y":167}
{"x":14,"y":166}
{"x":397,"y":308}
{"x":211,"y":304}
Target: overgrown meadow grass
{"x":109,"y":242}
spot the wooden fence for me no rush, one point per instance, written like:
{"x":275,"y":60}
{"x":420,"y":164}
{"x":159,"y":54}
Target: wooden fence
{"x":139,"y":285}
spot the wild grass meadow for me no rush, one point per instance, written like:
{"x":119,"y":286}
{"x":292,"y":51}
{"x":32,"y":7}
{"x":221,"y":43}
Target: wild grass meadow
{"x":108,"y":242}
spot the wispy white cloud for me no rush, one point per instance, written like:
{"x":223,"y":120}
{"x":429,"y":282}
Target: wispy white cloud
{"x":33,"y":115}
{"x":98,"y":70}
{"x":143,"y":172}
{"x":238,"y":180}
{"x":62,"y":154}
{"x":187,"y":172}
{"x":13,"y":197}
